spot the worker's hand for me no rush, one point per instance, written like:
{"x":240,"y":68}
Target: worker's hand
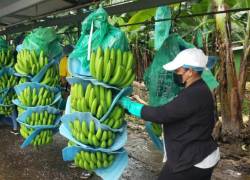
{"x":133,"y":108}
{"x":125,"y":102}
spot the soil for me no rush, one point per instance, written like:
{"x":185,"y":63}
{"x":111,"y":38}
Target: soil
{"x":145,"y":161}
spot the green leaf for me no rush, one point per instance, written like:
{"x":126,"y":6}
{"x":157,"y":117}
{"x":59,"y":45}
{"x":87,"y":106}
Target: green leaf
{"x":200,"y":7}
{"x":238,"y":4}
{"x":140,"y":16}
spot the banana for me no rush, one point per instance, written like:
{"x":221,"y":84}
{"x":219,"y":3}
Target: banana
{"x":104,"y":144}
{"x":85,"y":128}
{"x":108,"y":72}
{"x":91,"y":97}
{"x":93,"y":107}
{"x":118,"y":112}
{"x":99,"y":133}
{"x":97,"y":93}
{"x":102,"y":93}
{"x":84,"y":105}
{"x":92,"y":64}
{"x":129,"y":82}
{"x":130,"y":62}
{"x":95,"y":141}
{"x":99,"y":112}
{"x":127,"y":77}
{"x":118,"y":76}
{"x":98,"y":52}
{"x":113,"y":54}
{"x":20,"y":70}
{"x":124,"y":58}
{"x":106,"y":59}
{"x":109,"y":98}
{"x":87,"y":94}
{"x":92,"y":127}
{"x":118,"y":61}
{"x":99,"y":69}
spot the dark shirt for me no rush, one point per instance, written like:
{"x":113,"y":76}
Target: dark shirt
{"x":188,"y":122}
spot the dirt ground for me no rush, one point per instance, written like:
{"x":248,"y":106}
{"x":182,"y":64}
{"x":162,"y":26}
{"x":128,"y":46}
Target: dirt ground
{"x":144,"y":161}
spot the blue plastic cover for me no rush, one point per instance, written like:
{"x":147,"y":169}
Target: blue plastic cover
{"x":113,"y":172}
{"x":117,"y":94}
{"x":121,"y":137}
{"x":38,"y":128}
{"x":19,"y":88}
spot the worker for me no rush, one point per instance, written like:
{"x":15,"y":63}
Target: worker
{"x":63,"y":71}
{"x":188,"y":120}
{"x":63,"y":62}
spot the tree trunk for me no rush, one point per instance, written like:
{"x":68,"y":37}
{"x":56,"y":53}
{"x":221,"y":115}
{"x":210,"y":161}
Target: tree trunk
{"x":245,"y":61}
{"x":228,"y":90}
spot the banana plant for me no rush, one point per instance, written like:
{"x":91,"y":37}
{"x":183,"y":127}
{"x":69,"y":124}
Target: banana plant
{"x":205,"y":29}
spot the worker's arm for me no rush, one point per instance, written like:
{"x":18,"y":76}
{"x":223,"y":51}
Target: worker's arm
{"x":179,"y":108}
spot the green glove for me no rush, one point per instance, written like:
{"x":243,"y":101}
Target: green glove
{"x":133,"y":108}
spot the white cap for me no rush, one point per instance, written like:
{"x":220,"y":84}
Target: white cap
{"x":192,"y":57}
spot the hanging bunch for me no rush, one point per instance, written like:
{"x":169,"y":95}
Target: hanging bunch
{"x":95,"y":99}
{"x":29,"y":63}
{"x":36,"y":97}
{"x":113,"y":67}
{"x":93,"y":160}
{"x":89,"y":134}
{"x":7,"y":81}
{"x":6,"y":58}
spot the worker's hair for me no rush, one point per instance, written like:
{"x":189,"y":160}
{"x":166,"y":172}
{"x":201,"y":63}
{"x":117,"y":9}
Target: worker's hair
{"x":198,"y":72}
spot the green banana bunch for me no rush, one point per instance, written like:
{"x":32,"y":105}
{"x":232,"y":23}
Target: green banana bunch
{"x":90,"y":135}
{"x":95,"y":99}
{"x":157,"y":129}
{"x":41,"y":118}
{"x":20,"y":110}
{"x":51,"y":77}
{"x":43,"y":138}
{"x":7,"y":100}
{"x":29,"y":63}
{"x":113,"y":67}
{"x":8,"y":81}
{"x":6,"y":110}
{"x":115,"y":120}
{"x":93,"y":160}
{"x":33,"y":97}
{"x":6,"y":59}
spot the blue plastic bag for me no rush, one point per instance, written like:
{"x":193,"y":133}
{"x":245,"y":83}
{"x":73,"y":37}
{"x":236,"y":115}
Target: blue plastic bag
{"x":11,"y":120}
{"x":7,"y":70}
{"x":44,"y":39}
{"x":121,"y":137}
{"x":3,"y":94}
{"x":156,"y":140}
{"x":117,"y":94}
{"x":38,"y":128}
{"x":113,"y":172}
{"x":162,"y":28}
{"x":19,"y":88}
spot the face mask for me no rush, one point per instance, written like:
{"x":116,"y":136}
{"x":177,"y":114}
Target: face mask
{"x":178,"y":80}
